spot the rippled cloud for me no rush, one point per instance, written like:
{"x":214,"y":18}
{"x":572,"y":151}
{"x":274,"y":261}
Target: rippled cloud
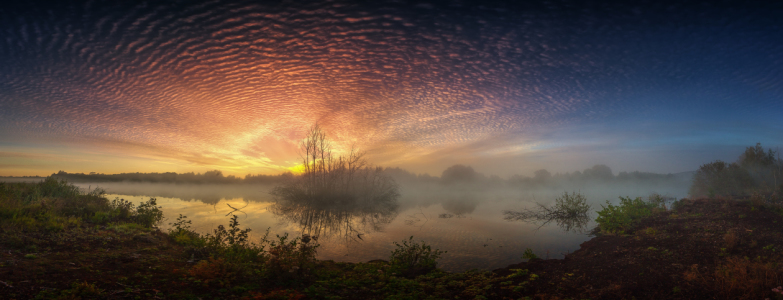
{"x":234,"y":85}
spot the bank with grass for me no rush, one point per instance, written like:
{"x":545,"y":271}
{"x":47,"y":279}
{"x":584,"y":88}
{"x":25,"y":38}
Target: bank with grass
{"x":59,"y":243}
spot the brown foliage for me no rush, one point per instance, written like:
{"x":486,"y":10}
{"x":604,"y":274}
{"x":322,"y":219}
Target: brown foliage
{"x":730,"y":240}
{"x":738,"y":278}
{"x":212,"y":270}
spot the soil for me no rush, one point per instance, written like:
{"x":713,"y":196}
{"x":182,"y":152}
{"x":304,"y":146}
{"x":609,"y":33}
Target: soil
{"x":672,"y":255}
{"x":652,"y":261}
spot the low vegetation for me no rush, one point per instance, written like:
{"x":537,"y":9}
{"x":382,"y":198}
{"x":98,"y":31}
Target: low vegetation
{"x":620,"y":218}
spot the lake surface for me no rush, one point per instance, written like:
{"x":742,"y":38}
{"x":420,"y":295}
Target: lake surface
{"x":465,"y":221}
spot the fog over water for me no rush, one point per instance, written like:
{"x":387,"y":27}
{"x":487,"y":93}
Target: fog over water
{"x":465,"y":220}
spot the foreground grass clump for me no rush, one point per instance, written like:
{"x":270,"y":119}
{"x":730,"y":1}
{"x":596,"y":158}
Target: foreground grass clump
{"x":411,"y":258}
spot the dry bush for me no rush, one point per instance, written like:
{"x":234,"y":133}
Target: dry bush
{"x":213,"y":270}
{"x":693,"y":275}
{"x":730,"y":240}
{"x":745,"y":279}
{"x":757,"y":200}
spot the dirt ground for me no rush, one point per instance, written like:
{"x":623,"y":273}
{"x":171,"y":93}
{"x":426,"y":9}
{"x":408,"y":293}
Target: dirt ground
{"x":705,"y":249}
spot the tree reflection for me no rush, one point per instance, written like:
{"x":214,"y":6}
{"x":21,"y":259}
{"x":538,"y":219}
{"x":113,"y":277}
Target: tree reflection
{"x":460,"y":206}
{"x":345,"y":217}
{"x":570,"y":213}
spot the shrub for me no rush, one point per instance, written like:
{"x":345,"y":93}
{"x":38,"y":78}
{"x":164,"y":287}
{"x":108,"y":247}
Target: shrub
{"x":121,"y":209}
{"x":618,"y":219}
{"x":291,"y":257}
{"x":411,"y":258}
{"x":232,"y":244}
{"x":529,"y":254}
{"x":148,"y":213}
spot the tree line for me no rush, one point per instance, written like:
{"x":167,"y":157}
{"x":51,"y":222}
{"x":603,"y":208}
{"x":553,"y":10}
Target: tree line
{"x":754,"y":172}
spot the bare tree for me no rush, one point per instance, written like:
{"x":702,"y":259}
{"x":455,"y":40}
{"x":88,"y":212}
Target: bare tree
{"x":335,"y":193}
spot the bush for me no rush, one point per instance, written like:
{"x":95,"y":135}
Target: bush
{"x":618,"y":219}
{"x":411,"y":258}
{"x":148,"y":213}
{"x":289,"y":258}
{"x":232,"y":244}
{"x":529,"y":254}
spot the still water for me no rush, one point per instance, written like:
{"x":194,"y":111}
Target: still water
{"x":466,"y":222}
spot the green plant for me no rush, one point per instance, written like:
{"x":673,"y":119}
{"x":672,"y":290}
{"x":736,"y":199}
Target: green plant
{"x":294,"y":257}
{"x":528,"y":254}
{"x":182,"y":224}
{"x":618,"y":219}
{"x":148,"y":213}
{"x":412,"y":258}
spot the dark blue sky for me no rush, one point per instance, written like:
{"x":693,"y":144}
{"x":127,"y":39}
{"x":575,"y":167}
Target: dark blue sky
{"x":231,"y":85}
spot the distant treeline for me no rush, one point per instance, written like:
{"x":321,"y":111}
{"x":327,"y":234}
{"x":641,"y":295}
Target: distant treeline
{"x":215,"y":176}
{"x":755,"y":172}
{"x":466,"y":175}
{"x":454,"y":175}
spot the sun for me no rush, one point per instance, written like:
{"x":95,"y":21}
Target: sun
{"x":298,"y":169}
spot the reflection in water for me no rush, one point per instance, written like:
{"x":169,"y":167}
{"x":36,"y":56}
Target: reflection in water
{"x":348,"y":215}
{"x":570,"y":223}
{"x":349,"y":218}
{"x":460,"y":206}
{"x":570,"y":213}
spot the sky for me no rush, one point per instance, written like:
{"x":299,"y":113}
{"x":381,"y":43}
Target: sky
{"x":191,"y":86}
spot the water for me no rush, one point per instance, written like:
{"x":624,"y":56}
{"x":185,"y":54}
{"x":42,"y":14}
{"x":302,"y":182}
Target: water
{"x":467,"y":222}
